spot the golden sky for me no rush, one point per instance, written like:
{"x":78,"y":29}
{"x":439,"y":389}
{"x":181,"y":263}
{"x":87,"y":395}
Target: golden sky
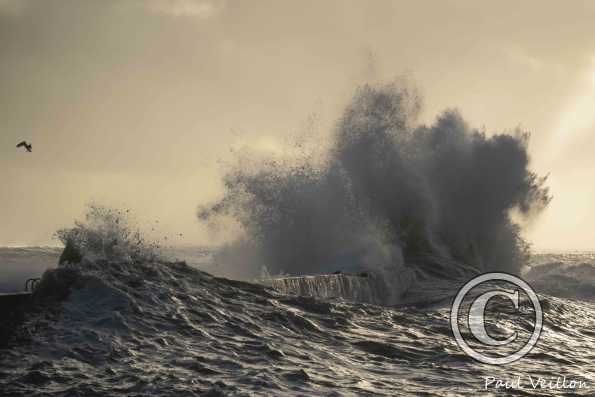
{"x":136,"y":104}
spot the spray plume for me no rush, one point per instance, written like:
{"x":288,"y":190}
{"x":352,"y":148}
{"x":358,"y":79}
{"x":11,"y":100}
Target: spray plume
{"x":388,"y":191}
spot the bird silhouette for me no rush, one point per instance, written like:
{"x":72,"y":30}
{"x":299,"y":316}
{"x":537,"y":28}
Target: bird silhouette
{"x":27,"y":146}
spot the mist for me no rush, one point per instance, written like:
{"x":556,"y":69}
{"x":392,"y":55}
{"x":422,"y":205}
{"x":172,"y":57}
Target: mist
{"x":387,"y":190}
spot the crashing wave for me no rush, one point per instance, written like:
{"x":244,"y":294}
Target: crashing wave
{"x":106,"y":233}
{"x":387,"y":192}
{"x":366,"y":287}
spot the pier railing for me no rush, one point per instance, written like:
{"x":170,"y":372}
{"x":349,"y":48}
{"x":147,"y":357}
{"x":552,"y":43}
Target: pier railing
{"x":31,"y":284}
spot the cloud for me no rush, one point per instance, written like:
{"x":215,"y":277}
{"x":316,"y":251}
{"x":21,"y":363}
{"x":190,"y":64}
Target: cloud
{"x":187,"y":8}
{"x":13,"y":7}
{"x":577,"y":118}
{"x":523,"y":58}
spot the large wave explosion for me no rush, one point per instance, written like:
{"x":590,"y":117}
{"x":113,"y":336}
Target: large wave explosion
{"x":388,"y":191}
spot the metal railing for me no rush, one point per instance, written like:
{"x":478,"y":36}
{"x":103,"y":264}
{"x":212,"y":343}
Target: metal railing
{"x":31,"y":284}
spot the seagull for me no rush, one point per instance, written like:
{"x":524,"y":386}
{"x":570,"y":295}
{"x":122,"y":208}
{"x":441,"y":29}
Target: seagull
{"x":26,"y":145}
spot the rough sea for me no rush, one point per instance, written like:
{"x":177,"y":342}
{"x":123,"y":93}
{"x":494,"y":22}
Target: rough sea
{"x":168,"y":328}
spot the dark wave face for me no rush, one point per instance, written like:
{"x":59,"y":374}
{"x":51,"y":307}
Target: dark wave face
{"x":387,"y":191}
{"x":115,"y":327}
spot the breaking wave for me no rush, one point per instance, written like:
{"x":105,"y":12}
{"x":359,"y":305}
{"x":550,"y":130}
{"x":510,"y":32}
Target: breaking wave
{"x":387,"y":192}
{"x":106,"y":233}
{"x":566,"y":275}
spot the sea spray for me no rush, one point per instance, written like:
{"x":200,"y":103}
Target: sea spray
{"x":106,"y":233}
{"x":388,"y":190}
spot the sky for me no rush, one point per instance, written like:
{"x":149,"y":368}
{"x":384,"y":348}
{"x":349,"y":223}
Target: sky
{"x":142,"y":104}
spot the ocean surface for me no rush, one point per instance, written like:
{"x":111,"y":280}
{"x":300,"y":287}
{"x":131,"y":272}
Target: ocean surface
{"x":167,"y":328}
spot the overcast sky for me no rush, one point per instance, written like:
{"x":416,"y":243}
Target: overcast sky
{"x":136,"y":104}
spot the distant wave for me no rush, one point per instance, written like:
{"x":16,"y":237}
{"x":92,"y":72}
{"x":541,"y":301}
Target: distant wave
{"x":564,"y":274}
{"x":42,"y":248}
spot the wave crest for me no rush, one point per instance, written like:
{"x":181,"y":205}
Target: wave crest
{"x":106,"y":233}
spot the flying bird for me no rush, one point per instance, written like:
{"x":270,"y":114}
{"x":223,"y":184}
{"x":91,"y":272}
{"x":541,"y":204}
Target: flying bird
{"x":26,"y":145}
